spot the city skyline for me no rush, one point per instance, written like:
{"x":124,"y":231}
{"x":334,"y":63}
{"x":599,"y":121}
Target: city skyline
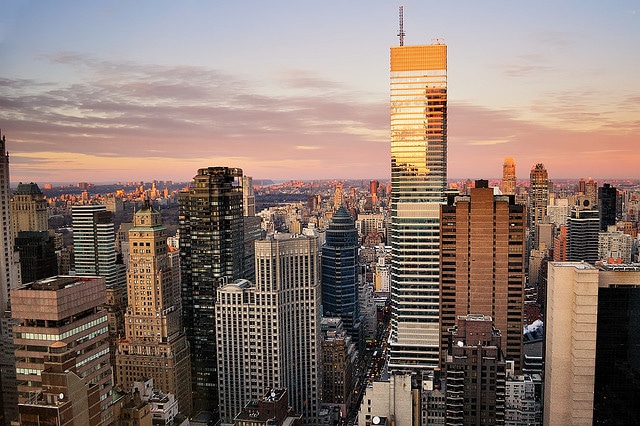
{"x":117,"y":91}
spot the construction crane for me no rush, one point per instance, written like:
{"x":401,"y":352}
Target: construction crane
{"x":401,"y":31}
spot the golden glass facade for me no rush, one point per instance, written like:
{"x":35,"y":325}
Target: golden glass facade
{"x":418,"y":182}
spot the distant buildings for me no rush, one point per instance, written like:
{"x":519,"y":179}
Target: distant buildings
{"x":509,"y":176}
{"x":418,"y":182}
{"x":538,"y":195}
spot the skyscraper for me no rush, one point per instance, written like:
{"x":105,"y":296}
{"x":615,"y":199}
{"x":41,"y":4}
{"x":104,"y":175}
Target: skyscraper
{"x":482,"y":265}
{"x":592,"y":352}
{"x":269,"y":333}
{"x":538,"y":195}
{"x":94,"y":242}
{"x":418,"y":183}
{"x":340,"y":273}
{"x":475,"y":373}
{"x":9,"y":278}
{"x":154,"y":344}
{"x":582,"y":236}
{"x":509,"y":176}
{"x":211,"y":253}
{"x":607,"y":202}
{"x":67,"y":309}
{"x":28,"y":209}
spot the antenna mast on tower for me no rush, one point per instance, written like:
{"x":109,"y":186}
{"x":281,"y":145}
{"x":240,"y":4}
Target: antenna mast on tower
{"x":401,"y":31}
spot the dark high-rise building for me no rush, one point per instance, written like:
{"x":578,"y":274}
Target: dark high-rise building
{"x":607,"y":201}
{"x":582,"y":236}
{"x":38,"y":257}
{"x":418,"y":183}
{"x":482,"y":265}
{"x":211,"y":254}
{"x":340,"y":273}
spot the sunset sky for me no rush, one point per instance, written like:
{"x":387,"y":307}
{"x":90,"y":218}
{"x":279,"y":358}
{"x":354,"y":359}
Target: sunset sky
{"x":106,"y":91}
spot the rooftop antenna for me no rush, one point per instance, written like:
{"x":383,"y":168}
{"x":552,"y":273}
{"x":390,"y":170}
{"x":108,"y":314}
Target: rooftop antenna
{"x":401,"y":31}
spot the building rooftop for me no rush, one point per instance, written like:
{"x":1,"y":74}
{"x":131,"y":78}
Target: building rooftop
{"x":57,"y":283}
{"x":27,"y":189}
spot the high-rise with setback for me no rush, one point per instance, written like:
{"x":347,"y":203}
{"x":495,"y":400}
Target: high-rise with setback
{"x":418,"y":184}
{"x":211,"y":254}
{"x":154,"y":344}
{"x":268,"y":334}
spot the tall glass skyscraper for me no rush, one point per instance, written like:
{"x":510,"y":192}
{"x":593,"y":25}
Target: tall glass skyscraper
{"x":211,"y":254}
{"x":340,"y":273}
{"x":418,"y":183}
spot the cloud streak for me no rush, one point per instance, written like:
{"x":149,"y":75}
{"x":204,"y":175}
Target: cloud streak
{"x":129,"y":121}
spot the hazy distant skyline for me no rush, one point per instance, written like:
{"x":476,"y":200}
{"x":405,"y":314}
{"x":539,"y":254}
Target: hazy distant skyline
{"x":124,"y":91}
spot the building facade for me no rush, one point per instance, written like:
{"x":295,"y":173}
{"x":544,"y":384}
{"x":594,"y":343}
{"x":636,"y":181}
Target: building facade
{"x":66,"y":399}
{"x":154,"y":344}
{"x":475,"y":374}
{"x":338,"y":358}
{"x":94,"y":243}
{"x":28,"y":209}
{"x":583,"y":228}
{"x":482,"y":265}
{"x":418,"y":182}
{"x":67,"y":309}
{"x":571,"y":322}
{"x":538,"y":195}
{"x":268,"y":334}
